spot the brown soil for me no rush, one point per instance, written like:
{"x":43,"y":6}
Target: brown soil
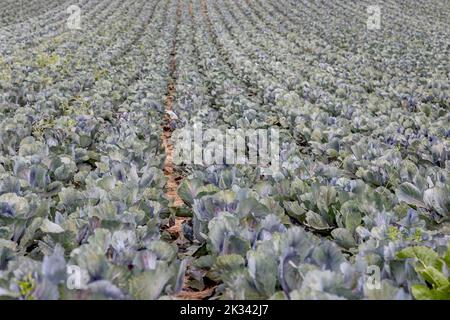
{"x":175,"y":230}
{"x":172,"y":178}
{"x":196,"y":295}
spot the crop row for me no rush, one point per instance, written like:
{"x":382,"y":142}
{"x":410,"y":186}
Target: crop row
{"x":364,"y":150}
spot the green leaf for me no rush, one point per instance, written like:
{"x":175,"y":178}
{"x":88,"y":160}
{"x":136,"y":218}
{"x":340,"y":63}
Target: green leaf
{"x":225,"y":266}
{"x":408,"y":193}
{"x":422,"y":292}
{"x":30,"y":230}
{"x":315,"y":221}
{"x":149,"y":285}
{"x":279,"y":295}
{"x":435,"y":277}
{"x":51,"y":227}
{"x":294,"y":209}
{"x":438,"y":199}
{"x":349,"y":216}
{"x":447,"y":256}
{"x":343,"y":237}
{"x":193,"y":189}
{"x":263,"y":270}
{"x":425,"y":255}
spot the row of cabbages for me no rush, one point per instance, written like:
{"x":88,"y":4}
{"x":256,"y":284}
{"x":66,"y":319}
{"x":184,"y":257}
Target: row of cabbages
{"x":82,"y":197}
{"x":14,"y":13}
{"x":364,"y":129}
{"x":365,"y":150}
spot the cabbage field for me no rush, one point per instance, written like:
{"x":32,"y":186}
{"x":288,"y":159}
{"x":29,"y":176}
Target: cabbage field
{"x":351,"y":99}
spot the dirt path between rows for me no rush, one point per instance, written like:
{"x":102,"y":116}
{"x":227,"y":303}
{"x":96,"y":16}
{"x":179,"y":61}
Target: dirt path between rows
{"x":169,"y":170}
{"x":173,"y":178}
